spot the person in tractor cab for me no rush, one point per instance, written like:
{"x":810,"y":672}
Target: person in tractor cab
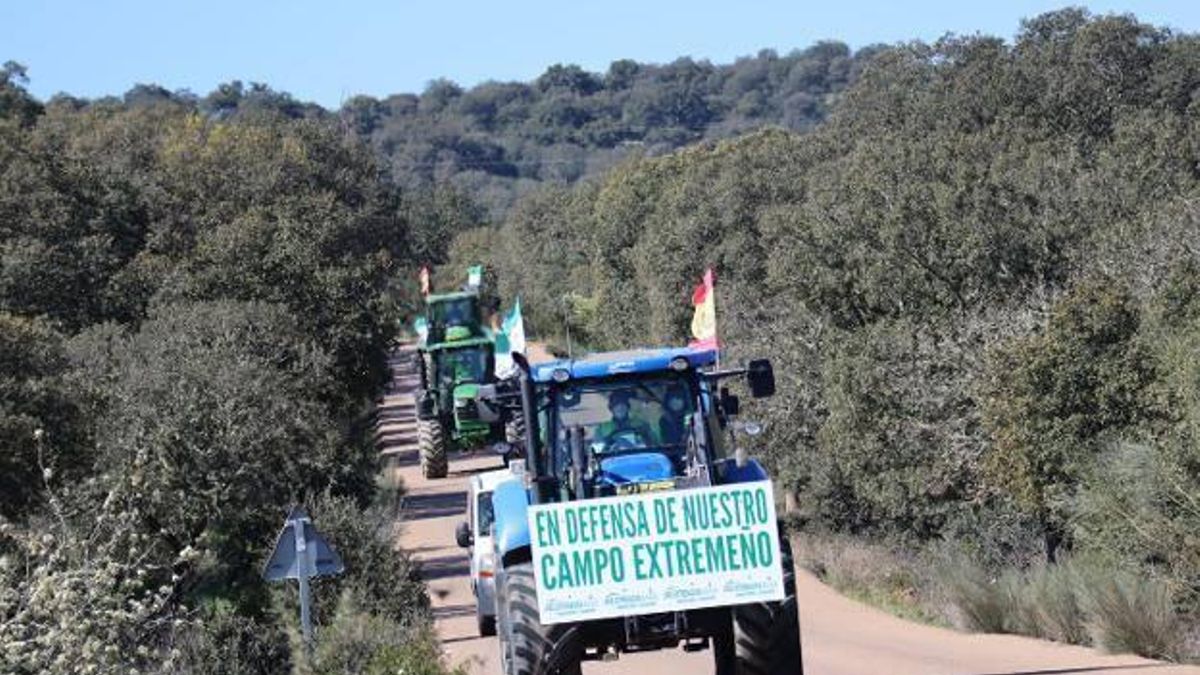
{"x":458,"y":367}
{"x":623,"y":431}
{"x":673,"y":424}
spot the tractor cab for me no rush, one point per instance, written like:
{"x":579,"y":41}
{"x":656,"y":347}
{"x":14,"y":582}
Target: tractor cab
{"x":452,"y":317}
{"x":633,"y":421}
{"x":626,"y":422}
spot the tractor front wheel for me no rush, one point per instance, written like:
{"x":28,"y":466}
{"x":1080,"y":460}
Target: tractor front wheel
{"x":534,"y":649}
{"x":514,"y":431}
{"x":763,"y":638}
{"x":432,"y":443}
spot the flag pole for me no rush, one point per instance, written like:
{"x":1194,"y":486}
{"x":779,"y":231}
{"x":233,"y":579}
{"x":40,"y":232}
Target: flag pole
{"x":716,"y":333}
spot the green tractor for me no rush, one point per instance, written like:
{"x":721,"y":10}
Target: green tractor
{"x":457,"y":356}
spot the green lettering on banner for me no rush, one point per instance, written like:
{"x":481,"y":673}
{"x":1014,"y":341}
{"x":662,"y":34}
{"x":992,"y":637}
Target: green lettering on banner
{"x":638,"y":562}
{"x":660,"y":517}
{"x":766,"y":552}
{"x":760,"y":505}
{"x":715,"y":552}
{"x":671,"y":524}
{"x":643,"y":524}
{"x":564,"y":571}
{"x":548,"y":579}
{"x":583,"y":571}
{"x":684,"y":560}
{"x":747,"y":509}
{"x":727,"y":514}
{"x":748,"y":549}
{"x":691,"y":519}
{"x":572,"y":527}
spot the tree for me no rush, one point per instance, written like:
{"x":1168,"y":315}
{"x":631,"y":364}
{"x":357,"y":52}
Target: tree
{"x":1052,"y":399}
{"x":15,"y":102}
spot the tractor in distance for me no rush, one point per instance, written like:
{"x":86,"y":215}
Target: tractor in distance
{"x":456,"y":356}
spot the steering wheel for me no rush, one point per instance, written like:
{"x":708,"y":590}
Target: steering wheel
{"x":628,"y":439}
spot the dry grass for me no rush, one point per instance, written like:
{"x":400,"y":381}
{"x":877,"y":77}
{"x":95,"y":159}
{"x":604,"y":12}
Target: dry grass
{"x":1074,"y":602}
{"x":1135,"y":614}
{"x":984,"y":603}
{"x":871,"y":573}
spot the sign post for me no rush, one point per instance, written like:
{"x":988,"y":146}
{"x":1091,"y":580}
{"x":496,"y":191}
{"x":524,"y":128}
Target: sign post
{"x":300,"y":553}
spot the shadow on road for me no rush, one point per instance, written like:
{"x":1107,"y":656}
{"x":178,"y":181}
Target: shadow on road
{"x":1081,"y":670}
{"x":437,"y":505}
{"x":455,"y":565}
{"x":401,"y":457}
{"x":449,"y":611}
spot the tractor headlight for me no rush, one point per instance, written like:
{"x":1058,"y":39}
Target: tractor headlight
{"x":560,"y":375}
{"x":680,"y":364}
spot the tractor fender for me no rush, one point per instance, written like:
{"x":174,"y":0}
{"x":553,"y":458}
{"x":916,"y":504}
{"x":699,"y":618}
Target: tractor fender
{"x":510,"y":506}
{"x":728,"y":472}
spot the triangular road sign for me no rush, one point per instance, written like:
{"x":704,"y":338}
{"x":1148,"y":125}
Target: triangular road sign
{"x":308,"y":554}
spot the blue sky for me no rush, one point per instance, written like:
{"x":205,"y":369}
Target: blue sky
{"x":327,"y":51}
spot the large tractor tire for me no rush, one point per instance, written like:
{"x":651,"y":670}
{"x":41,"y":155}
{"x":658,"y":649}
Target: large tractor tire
{"x":764,"y":638}
{"x":514,"y":435}
{"x":528,"y":647}
{"x":503,"y":625}
{"x":514,"y":431}
{"x":435,"y":463}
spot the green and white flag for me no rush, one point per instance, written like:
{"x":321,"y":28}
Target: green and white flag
{"x":421,"y":328}
{"x":475,"y":276}
{"x":510,"y":338}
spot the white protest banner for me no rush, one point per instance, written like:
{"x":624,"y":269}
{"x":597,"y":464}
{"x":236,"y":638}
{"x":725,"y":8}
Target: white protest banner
{"x":656,"y":552}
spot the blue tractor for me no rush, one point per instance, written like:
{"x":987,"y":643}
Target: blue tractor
{"x":625,"y":423}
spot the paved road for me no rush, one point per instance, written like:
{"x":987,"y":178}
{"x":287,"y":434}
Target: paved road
{"x":840,"y":636}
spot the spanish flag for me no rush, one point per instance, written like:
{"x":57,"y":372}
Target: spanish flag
{"x":704,"y":321}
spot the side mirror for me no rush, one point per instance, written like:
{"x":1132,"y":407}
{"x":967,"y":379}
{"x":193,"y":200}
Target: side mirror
{"x":730,"y":403}
{"x":462,"y":535}
{"x":761,"y":378}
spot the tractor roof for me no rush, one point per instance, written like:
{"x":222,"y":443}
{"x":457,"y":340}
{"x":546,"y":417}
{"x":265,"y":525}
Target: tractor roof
{"x":444,"y":297}
{"x":624,"y":362}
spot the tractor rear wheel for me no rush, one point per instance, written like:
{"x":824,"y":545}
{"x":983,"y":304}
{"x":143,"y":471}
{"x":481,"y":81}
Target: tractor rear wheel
{"x":432,"y":443}
{"x":514,"y":431}
{"x":763,"y":638}
{"x":534,"y":649}
{"x":514,"y":435}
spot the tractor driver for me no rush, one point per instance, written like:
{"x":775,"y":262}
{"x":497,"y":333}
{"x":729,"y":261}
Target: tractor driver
{"x":457,"y":367}
{"x":673,"y":424}
{"x":623,"y":431}
{"x":455,"y":314}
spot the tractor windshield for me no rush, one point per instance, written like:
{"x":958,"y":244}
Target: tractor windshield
{"x":620,"y":416}
{"x":468,"y":364}
{"x":459,"y":312}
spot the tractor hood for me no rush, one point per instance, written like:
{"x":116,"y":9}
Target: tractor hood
{"x":638,"y":468}
{"x":466,"y":391}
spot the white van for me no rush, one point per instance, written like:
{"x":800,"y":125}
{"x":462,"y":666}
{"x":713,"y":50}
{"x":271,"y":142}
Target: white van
{"x":475,"y":535}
